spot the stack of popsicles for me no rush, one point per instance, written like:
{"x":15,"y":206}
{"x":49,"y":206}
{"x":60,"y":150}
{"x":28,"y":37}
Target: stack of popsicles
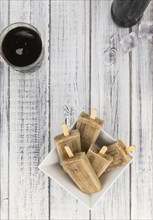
{"x":82,"y":159}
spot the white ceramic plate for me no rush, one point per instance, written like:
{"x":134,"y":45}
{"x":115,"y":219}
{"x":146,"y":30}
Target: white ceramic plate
{"x":52,"y":168}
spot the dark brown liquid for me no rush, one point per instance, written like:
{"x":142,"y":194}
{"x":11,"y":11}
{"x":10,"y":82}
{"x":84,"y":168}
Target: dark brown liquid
{"x":21,"y":46}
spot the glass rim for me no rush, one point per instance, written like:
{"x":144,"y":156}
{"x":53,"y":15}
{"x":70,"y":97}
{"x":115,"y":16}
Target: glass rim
{"x":11,"y":27}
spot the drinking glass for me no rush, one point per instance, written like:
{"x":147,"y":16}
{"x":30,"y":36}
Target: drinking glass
{"x":21,"y":46}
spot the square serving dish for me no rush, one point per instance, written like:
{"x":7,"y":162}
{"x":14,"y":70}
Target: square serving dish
{"x":52,"y":168}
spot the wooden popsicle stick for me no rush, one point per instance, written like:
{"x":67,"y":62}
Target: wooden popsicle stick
{"x":93,"y":114}
{"x":130,"y":149}
{"x":65,"y":129}
{"x":69,"y":152}
{"x":103,"y":151}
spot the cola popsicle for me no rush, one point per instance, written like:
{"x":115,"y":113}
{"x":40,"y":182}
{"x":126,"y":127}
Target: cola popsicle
{"x":89,"y":127}
{"x":120,"y":154}
{"x":70,"y":138}
{"x":78,"y":167}
{"x":99,"y":159}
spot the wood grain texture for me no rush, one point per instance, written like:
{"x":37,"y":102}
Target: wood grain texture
{"x":142,"y":127}
{"x":29,"y":195}
{"x":69,"y":67}
{"x":76,"y":75}
{"x":110,"y":95}
{"x":4,"y":122}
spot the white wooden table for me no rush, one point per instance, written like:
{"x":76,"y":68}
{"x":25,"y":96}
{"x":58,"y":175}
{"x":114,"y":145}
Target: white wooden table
{"x":73,"y":78}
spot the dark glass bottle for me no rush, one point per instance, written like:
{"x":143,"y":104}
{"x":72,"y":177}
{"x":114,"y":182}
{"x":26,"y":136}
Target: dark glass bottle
{"x":127,"y":13}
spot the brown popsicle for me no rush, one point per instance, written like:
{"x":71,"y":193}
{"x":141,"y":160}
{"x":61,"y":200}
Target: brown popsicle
{"x":70,"y":138}
{"x":89,"y":127}
{"x":99,"y":159}
{"x":78,"y":167}
{"x":120,"y":154}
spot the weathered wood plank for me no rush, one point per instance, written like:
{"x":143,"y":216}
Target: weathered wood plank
{"x":110,"y":95}
{"x":3,"y":121}
{"x":69,"y":66}
{"x":142,"y":127}
{"x":29,"y":196}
